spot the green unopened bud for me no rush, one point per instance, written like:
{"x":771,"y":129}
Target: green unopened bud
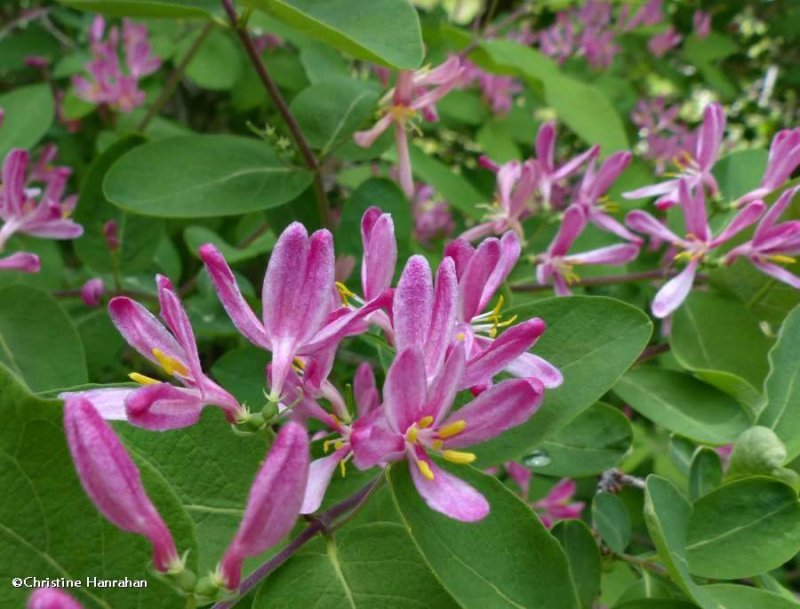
{"x":208,"y":587}
{"x":759,"y":451}
{"x":185,"y":580}
{"x":252,"y":423}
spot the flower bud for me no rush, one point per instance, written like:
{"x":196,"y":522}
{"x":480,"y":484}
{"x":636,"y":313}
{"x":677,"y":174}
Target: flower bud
{"x":51,"y":598}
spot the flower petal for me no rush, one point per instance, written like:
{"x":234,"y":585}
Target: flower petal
{"x":162,"y":406}
{"x":674,"y":292}
{"x":380,"y":252}
{"x":449,"y":495}
{"x":140,"y":328}
{"x":404,"y":392}
{"x":320,"y":473}
{"x":529,"y":365}
{"x":413,"y":304}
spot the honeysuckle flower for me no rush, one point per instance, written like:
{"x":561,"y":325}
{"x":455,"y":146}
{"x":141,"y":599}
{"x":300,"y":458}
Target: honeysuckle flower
{"x":33,"y":202}
{"x":414,"y":93}
{"x":109,"y":84}
{"x":111,"y":235}
{"x":559,"y":40}
{"x":416,"y":422}
{"x":701,"y":23}
{"x":432,"y":217}
{"x":273,"y":503}
{"x":663,"y":42}
{"x":693,"y":168}
{"x":549,"y":174}
{"x":650,"y":14}
{"x":695,"y":247}
{"x":591,"y":196}
{"x":515,"y":186}
{"x":556,"y":505}
{"x":51,"y":598}
{"x":367,"y":400}
{"x":773,"y":243}
{"x":557,"y":265}
{"x":172,"y":347}
{"x":113,"y":482}
{"x":783,"y":159}
{"x":92,"y":291}
{"x":665,"y":138}
{"x":480,"y":273}
{"x":497,"y":90}
{"x":296,"y":300}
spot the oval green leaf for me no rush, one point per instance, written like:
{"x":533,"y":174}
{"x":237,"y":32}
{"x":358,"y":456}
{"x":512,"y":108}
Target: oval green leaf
{"x":29,"y":112}
{"x":170,"y":9}
{"x":200,"y":176}
{"x":611,"y":519}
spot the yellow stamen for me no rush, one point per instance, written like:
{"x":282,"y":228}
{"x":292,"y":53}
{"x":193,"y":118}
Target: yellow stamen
{"x":299,"y":363}
{"x":425,"y":469}
{"x":342,"y":468}
{"x":460,"y":336}
{"x":425,"y":422}
{"x":401,"y":113}
{"x":453,"y":429}
{"x":571,"y":277}
{"x":170,"y":364}
{"x":457,"y":456}
{"x":437,"y":444}
{"x":345,"y":293}
{"x":142,"y":379}
{"x":782,"y":259}
{"x":412,"y":434}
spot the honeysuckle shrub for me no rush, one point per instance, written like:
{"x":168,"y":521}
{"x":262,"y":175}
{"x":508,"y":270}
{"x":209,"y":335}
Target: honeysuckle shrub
{"x":349,"y":303}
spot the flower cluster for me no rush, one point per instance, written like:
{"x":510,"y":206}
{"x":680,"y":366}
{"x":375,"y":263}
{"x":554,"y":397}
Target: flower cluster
{"x":447,"y":336}
{"x":109,"y":84}
{"x":666,"y":139}
{"x":33,"y":202}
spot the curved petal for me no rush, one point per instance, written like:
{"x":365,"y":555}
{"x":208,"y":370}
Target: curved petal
{"x":674,"y":292}
{"x":529,"y":365}
{"x":506,"y":405}
{"x":320,"y":473}
{"x":443,"y":317}
{"x":445,"y":385}
{"x":140,"y":328}
{"x":413,"y":304}
{"x":365,"y":391}
{"x":449,"y":495}
{"x":109,"y":402}
{"x":474,"y":278}
{"x":231,"y":297}
{"x":162,"y":406}
{"x":644,"y":223}
{"x":778,"y":272}
{"x":21,"y":261}
{"x":747,"y":216}
{"x":621,"y":253}
{"x":405,"y":390}
{"x":380,"y":253}
{"x":572,"y":225}
{"x":510,"y":249}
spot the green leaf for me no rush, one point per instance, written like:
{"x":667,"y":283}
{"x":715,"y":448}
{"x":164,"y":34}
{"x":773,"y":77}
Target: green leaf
{"x":29,"y":112}
{"x":487,"y":563}
{"x":210,"y":470}
{"x":705,"y":472}
{"x":594,"y":441}
{"x":683,"y":404}
{"x":321,"y":62}
{"x":740,"y":172}
{"x":758,"y":451}
{"x":217,"y":64}
{"x":170,"y":9}
{"x":655,"y":603}
{"x":584,"y":558}
{"x":366,"y":566}
{"x":38,"y":341}
{"x":195,"y":236}
{"x":781,"y":389}
{"x":383,"y":31}
{"x":744,"y":528}
{"x":611,"y":519}
{"x":582,"y":107}
{"x":733,"y":596}
{"x":704,"y":341}
{"x":593,"y":341}
{"x":199,"y":176}
{"x":666,"y":513}
{"x":49,"y":528}
{"x":243,"y":373}
{"x":330,"y":111}
{"x":454,"y":187}
{"x":138,"y":236}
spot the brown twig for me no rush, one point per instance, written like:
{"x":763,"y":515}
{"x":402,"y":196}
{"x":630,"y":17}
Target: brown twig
{"x":175,"y":77}
{"x":309,"y":158}
{"x":323,"y":524}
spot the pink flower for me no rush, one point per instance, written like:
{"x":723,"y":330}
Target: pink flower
{"x":416,"y":422}
{"x":695,"y":247}
{"x":273,"y":503}
{"x":649,"y":14}
{"x":559,"y":40}
{"x":661,"y":43}
{"x":172,"y":347}
{"x":666,"y":138}
{"x":109,"y":84}
{"x":480,"y":273}
{"x":549,"y":175}
{"x":558,"y":504}
{"x":593,"y":189}
{"x":111,"y":234}
{"x":784,"y":158}
{"x":92,"y":291}
{"x":773,"y":243}
{"x":557,"y":265}
{"x":432,"y":218}
{"x":33,"y":203}
{"x":696,"y":169}
{"x":701,"y":23}
{"x":414,"y":93}
{"x":51,"y":598}
{"x":112,"y":481}
{"x":498,"y":91}
{"x":515,"y":187}
{"x":299,"y":317}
